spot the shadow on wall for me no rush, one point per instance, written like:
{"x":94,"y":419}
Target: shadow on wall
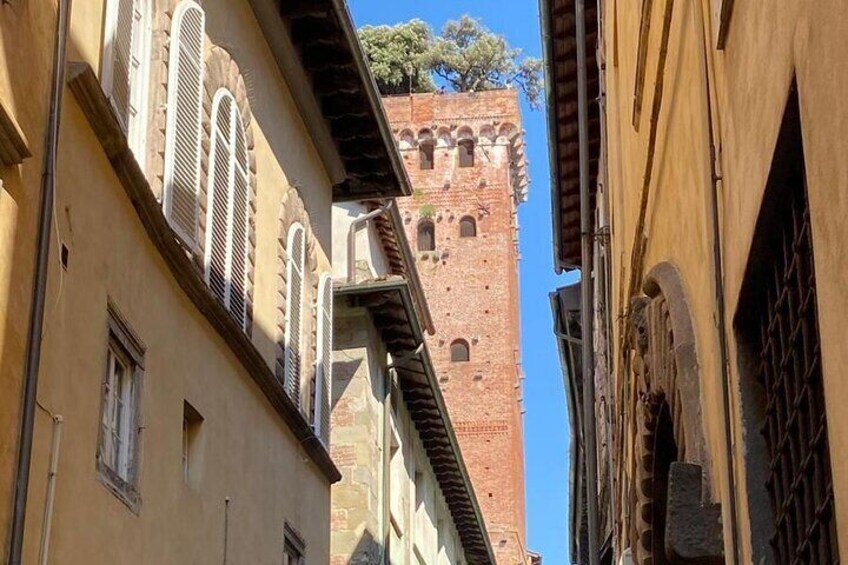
{"x":368,"y":551}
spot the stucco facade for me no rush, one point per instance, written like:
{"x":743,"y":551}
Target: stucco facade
{"x":471,"y":281}
{"x":226,"y":460}
{"x":404,"y":496}
{"x":716,"y":119}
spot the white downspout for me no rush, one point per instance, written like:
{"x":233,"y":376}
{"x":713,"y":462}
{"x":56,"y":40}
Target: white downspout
{"x":52,"y":473}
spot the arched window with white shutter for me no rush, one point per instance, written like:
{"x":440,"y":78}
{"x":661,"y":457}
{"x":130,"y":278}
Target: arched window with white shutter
{"x":295,"y":290}
{"x":183,"y":128}
{"x":228,"y":221}
{"x":125,"y":68}
{"x":324,"y":360}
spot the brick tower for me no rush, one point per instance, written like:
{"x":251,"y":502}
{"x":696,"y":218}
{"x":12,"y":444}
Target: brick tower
{"x":464,"y":155}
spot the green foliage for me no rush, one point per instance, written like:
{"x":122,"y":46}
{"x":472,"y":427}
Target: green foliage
{"x":396,"y":54}
{"x":467,"y":57}
{"x":471,"y":58}
{"x":427,"y":211}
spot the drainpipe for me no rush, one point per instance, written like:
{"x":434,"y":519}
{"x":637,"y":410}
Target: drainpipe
{"x":718,"y":270}
{"x":39,"y":288}
{"x":351,"y":236}
{"x":587,"y":242}
{"x":47,"y":520}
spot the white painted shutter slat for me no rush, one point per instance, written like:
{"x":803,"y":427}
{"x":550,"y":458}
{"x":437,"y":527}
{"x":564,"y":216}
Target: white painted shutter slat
{"x":122,"y":39}
{"x":218,"y":194}
{"x":294,"y":312}
{"x":324,"y":362}
{"x":185,"y":90}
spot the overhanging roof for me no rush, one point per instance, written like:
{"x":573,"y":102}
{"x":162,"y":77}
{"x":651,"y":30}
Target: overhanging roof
{"x":560,"y":46}
{"x":391,"y":304}
{"x":316,"y":46}
{"x":565,"y":304}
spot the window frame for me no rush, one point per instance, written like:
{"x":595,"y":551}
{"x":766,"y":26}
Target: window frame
{"x":473,"y":223}
{"x":465,"y":153}
{"x":233,"y":168}
{"x":293,"y":542}
{"x":188,"y":239}
{"x":422,"y":224}
{"x":467,"y":348}
{"x":134,"y":126}
{"x":122,"y":345}
{"x":426,"y":149}
{"x":287,"y":370}
{"x":321,"y":400}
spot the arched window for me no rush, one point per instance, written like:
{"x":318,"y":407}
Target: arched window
{"x":467,"y":227}
{"x":459,"y":351}
{"x":126,"y":59}
{"x":466,"y":152}
{"x":324,"y":360}
{"x":228,"y":235}
{"x":426,"y":147}
{"x":426,"y":235}
{"x":183,"y":128}
{"x":295,"y":270}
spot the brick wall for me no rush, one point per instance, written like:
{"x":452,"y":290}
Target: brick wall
{"x":472,"y":284}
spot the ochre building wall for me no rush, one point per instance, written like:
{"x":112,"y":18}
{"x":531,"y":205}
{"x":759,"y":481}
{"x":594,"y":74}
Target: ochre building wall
{"x":471,"y":285}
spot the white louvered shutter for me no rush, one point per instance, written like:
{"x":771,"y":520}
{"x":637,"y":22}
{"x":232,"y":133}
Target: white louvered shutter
{"x":294,"y":310}
{"x":185,"y":92}
{"x":241,"y":236}
{"x":324,"y":361}
{"x":121,"y":51}
{"x":220,"y":172}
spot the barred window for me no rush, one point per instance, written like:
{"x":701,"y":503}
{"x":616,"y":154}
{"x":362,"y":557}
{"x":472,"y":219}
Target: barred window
{"x":228,"y":237}
{"x":780,"y":346}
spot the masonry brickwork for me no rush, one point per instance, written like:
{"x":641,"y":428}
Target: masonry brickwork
{"x":472,"y":283}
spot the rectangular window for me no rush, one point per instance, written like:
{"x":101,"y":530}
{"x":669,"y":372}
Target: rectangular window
{"x":192,"y":421}
{"x":425,"y":156}
{"x":117,"y":454}
{"x":294,"y":549}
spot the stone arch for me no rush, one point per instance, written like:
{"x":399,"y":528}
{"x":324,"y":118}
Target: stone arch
{"x":668,"y":409}
{"x":406,"y":139}
{"x":293,"y":210}
{"x":507,"y":133}
{"x":487,"y":135}
{"x":465,"y":132}
{"x":425,"y":135}
{"x":444,"y":138}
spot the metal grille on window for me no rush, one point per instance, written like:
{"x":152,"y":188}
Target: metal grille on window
{"x":799,"y":479}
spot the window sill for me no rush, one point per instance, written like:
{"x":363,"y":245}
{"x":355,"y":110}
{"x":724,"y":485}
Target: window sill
{"x":97,"y":109}
{"x":123,"y":491}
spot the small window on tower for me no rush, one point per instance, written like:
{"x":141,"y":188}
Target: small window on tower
{"x":426,"y":235}
{"x":467,"y":227}
{"x":459,"y":351}
{"x":425,"y":156}
{"x":466,"y":153}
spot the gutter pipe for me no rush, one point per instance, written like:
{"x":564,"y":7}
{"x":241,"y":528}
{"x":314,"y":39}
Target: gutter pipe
{"x":351,"y":236}
{"x":39,"y":289}
{"x":586,"y":290}
{"x":718,"y":270}
{"x":47,"y":520}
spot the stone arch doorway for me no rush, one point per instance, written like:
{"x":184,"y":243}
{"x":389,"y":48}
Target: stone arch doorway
{"x":667,"y":419}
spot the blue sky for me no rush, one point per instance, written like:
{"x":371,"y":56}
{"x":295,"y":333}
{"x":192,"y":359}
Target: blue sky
{"x":546,"y":421}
